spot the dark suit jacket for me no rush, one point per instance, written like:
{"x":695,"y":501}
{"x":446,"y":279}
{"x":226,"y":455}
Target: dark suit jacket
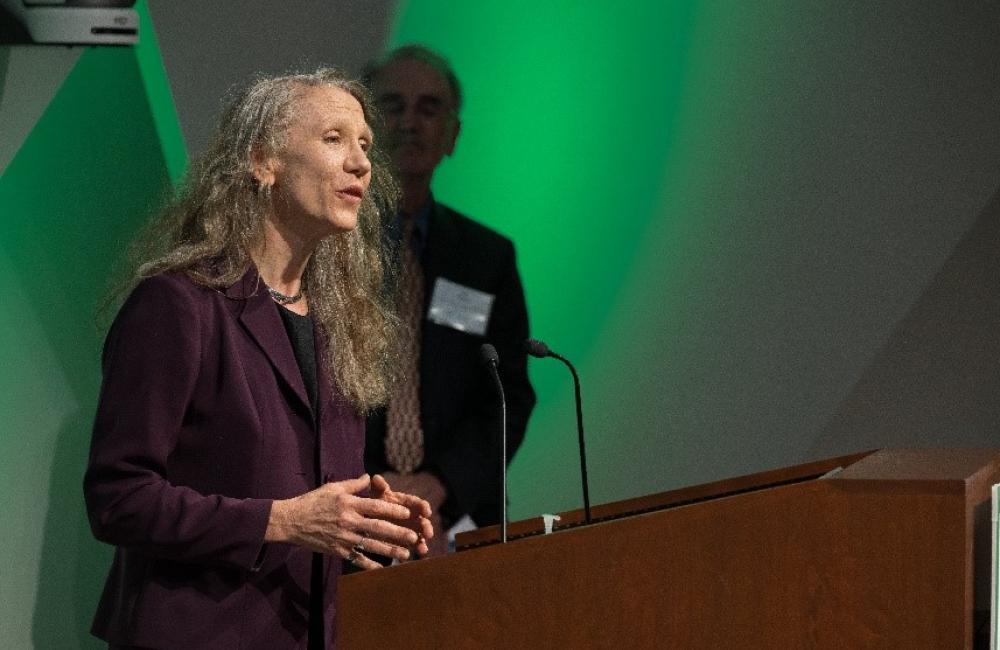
{"x":459,"y":407}
{"x":203,"y":420}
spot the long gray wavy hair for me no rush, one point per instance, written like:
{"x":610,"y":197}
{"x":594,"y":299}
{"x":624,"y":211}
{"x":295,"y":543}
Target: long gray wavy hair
{"x":215,"y":220}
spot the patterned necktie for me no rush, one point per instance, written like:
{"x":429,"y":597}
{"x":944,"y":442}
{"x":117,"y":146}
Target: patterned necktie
{"x":404,"y":440}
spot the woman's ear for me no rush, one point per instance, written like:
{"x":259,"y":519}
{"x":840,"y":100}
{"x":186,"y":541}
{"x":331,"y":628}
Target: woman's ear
{"x":263,"y":168}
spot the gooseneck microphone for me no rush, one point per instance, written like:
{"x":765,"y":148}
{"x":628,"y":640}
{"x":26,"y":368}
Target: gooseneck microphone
{"x":538,"y":349}
{"x":488,"y":354}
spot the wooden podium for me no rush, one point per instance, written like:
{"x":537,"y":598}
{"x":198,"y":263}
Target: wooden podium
{"x":872,"y":550}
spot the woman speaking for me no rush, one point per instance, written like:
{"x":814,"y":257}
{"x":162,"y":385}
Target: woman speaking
{"x":226,"y":459}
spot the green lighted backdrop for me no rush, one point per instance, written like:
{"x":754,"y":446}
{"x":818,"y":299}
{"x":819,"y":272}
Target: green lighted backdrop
{"x":722,"y":210}
{"x":764,"y":231}
{"x":94,"y":164}
{"x":578,"y":195}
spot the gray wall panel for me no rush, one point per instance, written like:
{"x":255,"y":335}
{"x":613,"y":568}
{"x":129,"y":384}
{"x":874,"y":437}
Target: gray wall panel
{"x":30,"y":75}
{"x":210,"y":46}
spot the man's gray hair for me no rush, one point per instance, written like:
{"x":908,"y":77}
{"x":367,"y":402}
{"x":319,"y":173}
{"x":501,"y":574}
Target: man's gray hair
{"x":423,"y":54}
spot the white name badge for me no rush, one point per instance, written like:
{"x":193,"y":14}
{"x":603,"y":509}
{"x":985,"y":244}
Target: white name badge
{"x":459,"y":307}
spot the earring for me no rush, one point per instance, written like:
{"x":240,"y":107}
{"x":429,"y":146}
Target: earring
{"x":264,"y":191}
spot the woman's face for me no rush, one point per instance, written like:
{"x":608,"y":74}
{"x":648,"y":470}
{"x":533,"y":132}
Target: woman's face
{"x":322,"y":172}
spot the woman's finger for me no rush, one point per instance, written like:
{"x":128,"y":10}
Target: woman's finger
{"x":354,"y":485}
{"x":368,"y":544}
{"x":361,"y":560}
{"x":386,"y":531}
{"x":427,"y":528}
{"x":414,"y":503}
{"x":380,"y":509}
{"x":422,"y":548}
{"x":379,"y":485}
{"x":382,"y":491}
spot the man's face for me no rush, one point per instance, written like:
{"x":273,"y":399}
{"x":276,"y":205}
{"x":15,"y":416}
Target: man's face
{"x":419,"y":111}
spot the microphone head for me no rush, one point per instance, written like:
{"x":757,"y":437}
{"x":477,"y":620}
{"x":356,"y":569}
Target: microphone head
{"x":536,"y":348}
{"x":488,"y":354}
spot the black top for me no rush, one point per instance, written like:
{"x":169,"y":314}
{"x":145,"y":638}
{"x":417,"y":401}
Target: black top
{"x":300,"y":335}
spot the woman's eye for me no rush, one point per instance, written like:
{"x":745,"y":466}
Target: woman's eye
{"x":365,"y":146}
{"x":332,"y":138}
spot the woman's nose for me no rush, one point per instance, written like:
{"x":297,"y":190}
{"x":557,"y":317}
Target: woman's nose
{"x":357,"y":162}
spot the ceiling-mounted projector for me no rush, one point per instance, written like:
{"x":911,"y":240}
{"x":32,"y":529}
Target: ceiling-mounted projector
{"x":68,"y":22}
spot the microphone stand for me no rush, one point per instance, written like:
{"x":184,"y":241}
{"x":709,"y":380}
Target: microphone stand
{"x":490,"y":358}
{"x":503,"y":456}
{"x":538,"y":349}
{"x":579,"y":431}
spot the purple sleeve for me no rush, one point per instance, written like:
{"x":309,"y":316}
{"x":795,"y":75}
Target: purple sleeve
{"x":151,"y":362}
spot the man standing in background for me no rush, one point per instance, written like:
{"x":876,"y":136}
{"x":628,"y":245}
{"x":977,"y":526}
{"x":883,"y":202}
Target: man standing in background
{"x":439,"y":436}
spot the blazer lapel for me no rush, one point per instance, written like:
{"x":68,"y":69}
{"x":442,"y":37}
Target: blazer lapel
{"x":261,"y":319}
{"x":439,"y":258}
{"x":438,"y":251}
{"x":324,"y":374}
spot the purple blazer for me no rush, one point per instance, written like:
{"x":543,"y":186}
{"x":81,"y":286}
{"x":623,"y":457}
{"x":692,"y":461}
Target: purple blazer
{"x":203,"y":420}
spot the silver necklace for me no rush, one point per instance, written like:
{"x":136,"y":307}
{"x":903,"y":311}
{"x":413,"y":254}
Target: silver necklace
{"x":281,"y":298}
